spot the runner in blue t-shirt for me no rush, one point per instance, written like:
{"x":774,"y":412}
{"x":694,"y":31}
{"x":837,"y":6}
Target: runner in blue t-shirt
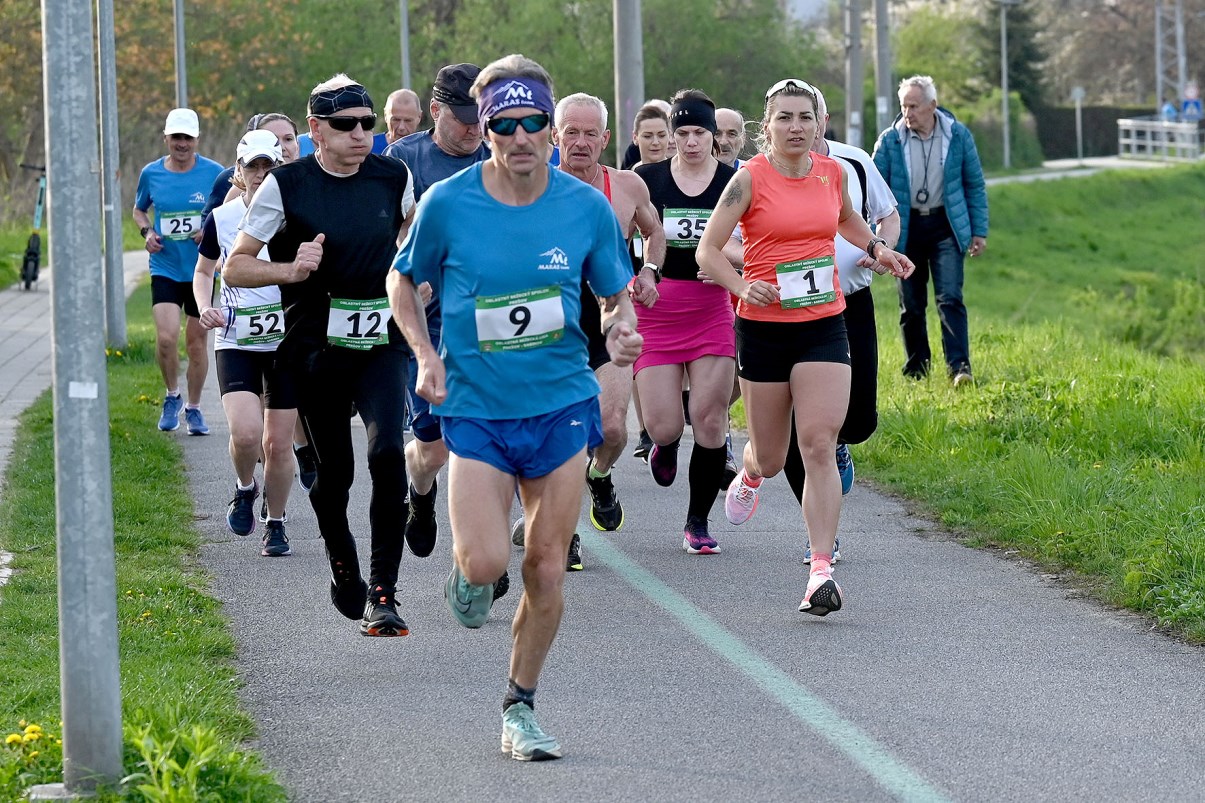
{"x":176,"y":186}
{"x":452,"y":144}
{"x":505,"y":245}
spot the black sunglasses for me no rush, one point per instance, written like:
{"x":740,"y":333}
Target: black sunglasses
{"x":368,"y":122}
{"x":505,"y":126}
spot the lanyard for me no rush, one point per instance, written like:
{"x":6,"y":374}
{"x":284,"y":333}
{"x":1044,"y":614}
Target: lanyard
{"x":922,"y":195}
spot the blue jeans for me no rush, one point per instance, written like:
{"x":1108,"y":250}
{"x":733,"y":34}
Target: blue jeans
{"x":934,"y":249}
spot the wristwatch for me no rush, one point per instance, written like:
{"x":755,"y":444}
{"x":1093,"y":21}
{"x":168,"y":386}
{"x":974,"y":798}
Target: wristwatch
{"x":873,"y":242}
{"x":655,"y":269}
{"x":143,"y":231}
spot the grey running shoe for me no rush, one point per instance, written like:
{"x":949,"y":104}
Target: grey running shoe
{"x":517,"y":532}
{"x":470,"y":604}
{"x":522,"y":737}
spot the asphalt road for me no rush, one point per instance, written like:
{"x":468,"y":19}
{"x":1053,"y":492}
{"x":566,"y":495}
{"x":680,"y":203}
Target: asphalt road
{"x":952,"y":673}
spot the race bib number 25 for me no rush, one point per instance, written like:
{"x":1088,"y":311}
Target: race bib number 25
{"x":179,"y":225}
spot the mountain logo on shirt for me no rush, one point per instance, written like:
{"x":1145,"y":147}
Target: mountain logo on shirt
{"x":557,"y":260}
{"x":197,"y":198}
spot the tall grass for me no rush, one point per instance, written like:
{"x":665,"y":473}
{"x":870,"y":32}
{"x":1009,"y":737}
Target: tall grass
{"x":177,"y":655}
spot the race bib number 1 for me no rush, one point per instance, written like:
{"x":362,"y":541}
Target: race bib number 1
{"x":179,"y":225}
{"x":255,"y":326}
{"x":358,"y":324}
{"x":806,"y":282}
{"x":684,"y":227}
{"x":527,"y":319}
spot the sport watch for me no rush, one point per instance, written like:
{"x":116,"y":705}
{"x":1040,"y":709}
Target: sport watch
{"x":655,"y":269}
{"x":870,"y":246}
{"x":142,"y":232}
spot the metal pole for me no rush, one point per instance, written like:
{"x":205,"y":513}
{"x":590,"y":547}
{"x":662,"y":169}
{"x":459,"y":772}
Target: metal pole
{"x":1004,"y":78}
{"x":404,"y":17}
{"x":629,"y":70}
{"x":884,"y":86}
{"x":181,"y":65}
{"x":89,"y":673}
{"x":1181,"y":59}
{"x":115,"y":296}
{"x":853,"y":73}
{"x":1079,"y":128}
{"x":1159,"y":57}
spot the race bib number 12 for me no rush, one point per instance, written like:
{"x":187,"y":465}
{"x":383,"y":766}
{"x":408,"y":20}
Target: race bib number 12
{"x":358,"y":324}
{"x":806,"y":282}
{"x":527,"y":319}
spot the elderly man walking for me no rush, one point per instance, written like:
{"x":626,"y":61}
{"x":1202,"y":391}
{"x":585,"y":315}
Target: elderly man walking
{"x":929,"y":160}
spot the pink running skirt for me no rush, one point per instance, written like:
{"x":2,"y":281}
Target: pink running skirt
{"x":690,"y":320}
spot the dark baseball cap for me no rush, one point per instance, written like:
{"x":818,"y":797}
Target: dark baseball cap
{"x":452,"y":88}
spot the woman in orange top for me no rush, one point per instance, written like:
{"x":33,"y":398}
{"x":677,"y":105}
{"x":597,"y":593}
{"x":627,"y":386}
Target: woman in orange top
{"x":792,"y":350}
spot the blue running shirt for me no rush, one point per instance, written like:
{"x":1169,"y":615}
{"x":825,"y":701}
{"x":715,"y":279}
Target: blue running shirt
{"x":509,"y":279}
{"x":179,"y":199}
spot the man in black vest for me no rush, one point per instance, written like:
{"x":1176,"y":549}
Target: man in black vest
{"x":332,"y":223}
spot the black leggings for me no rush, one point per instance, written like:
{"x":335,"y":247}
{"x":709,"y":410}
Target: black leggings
{"x":375,"y":382}
{"x":862,"y":415}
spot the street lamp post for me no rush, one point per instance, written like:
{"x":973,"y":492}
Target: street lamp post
{"x":1004,"y":4}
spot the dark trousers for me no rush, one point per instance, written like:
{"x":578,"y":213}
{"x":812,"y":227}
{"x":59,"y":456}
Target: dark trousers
{"x":934,"y":249}
{"x":862,"y":415}
{"x":375,"y":382}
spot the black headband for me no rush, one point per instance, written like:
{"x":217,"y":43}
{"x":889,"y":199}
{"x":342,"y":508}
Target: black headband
{"x":332,"y":101}
{"x":692,"y":111}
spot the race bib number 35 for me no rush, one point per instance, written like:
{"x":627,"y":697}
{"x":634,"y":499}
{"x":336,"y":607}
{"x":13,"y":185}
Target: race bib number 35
{"x":524,"y":320}
{"x":179,"y":225}
{"x":255,"y":326}
{"x":357,"y":324}
{"x":684,"y":227}
{"x":806,"y":283}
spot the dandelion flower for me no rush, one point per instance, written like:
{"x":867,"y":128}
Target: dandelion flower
{"x":33,"y":754}
{"x":13,"y":738}
{"x":33,"y":728}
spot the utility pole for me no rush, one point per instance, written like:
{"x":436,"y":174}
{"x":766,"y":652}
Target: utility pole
{"x":404,"y":17}
{"x":884,"y":86}
{"x":88,"y":667}
{"x":181,"y":66}
{"x":1169,"y":49}
{"x":854,"y":73}
{"x":629,"y":70}
{"x":115,"y":295}
{"x":1006,"y":122}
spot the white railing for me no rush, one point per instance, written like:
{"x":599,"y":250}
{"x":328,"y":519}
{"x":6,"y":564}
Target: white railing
{"x":1154,"y":138}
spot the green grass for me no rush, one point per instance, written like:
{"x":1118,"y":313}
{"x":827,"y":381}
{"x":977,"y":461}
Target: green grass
{"x":177,"y":655}
{"x":1083,"y":444}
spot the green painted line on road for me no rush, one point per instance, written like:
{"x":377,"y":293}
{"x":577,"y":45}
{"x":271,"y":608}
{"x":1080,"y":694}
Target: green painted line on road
{"x":891,"y":773}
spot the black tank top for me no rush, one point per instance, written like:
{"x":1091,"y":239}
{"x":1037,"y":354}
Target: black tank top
{"x":683,"y":216}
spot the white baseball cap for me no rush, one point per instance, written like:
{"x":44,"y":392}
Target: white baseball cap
{"x":182,"y":121}
{"x":257,"y":144}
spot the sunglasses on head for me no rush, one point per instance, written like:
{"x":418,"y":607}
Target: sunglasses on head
{"x":790,"y":83}
{"x":505,"y":126}
{"x":368,"y":122}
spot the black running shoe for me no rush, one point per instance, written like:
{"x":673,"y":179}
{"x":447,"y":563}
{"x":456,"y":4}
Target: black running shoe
{"x":730,"y":467}
{"x":606,"y":513}
{"x":380,"y":614}
{"x":643,"y":446}
{"x":501,"y":586}
{"x":276,"y":543}
{"x":307,"y":466}
{"x":575,"y":554}
{"x":348,"y":590}
{"x":421,"y":527}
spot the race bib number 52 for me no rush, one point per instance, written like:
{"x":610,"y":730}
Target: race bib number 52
{"x":527,"y":319}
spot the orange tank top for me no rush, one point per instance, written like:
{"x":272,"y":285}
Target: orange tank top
{"x":788,"y":234}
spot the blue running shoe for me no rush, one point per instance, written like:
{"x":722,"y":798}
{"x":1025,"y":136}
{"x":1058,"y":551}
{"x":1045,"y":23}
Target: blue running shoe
{"x":172,"y":406}
{"x":240,"y":516}
{"x":196,"y":421}
{"x":522,"y":737}
{"x":470,"y":604}
{"x":845,"y":467}
{"x":807,"y":552}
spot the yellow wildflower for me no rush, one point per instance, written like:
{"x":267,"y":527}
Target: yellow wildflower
{"x":33,"y":754}
{"x":13,"y":738}
{"x":33,"y":728}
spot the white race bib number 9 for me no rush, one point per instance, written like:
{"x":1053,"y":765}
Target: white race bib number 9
{"x":358,"y":324}
{"x":527,"y":319}
{"x":255,"y":326}
{"x":179,"y":225}
{"x":806,"y":282}
{"x":684,"y":227}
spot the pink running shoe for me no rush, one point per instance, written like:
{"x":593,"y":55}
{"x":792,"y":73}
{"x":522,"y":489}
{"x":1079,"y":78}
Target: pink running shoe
{"x":696,"y":540}
{"x":741,"y":500}
{"x":823,"y":595}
